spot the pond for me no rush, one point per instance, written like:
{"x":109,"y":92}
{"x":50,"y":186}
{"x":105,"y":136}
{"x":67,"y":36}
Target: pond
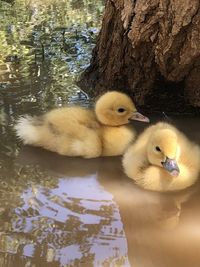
{"x":59,"y":211}
{"x":45,"y":45}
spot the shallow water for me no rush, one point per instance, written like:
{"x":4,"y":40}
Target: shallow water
{"x":61,"y":211}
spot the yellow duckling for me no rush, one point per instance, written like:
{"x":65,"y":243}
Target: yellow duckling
{"x":77,"y":131}
{"x":162,"y":159}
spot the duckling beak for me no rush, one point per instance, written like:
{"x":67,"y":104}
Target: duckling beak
{"x":139,"y":117}
{"x":171,"y":166}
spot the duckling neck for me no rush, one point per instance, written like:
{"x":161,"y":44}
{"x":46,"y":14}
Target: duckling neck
{"x":101,"y":118}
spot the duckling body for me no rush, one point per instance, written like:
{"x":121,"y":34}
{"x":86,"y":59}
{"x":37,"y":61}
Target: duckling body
{"x":77,"y":131}
{"x":71,"y":131}
{"x":115,"y":140}
{"x":162,"y":159}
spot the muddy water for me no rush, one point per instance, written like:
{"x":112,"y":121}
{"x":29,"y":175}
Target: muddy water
{"x":60,"y":211}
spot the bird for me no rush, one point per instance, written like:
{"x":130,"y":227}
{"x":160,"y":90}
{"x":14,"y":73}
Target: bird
{"x":78,"y":131}
{"x":162,"y":159}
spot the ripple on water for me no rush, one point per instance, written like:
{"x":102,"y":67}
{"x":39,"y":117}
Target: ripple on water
{"x":44,"y":219}
{"x":44,"y":47}
{"x":74,"y":222}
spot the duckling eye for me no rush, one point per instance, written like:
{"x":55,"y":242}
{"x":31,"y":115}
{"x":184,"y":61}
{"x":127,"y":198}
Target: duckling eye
{"x":121,"y":110}
{"x":158,"y":149}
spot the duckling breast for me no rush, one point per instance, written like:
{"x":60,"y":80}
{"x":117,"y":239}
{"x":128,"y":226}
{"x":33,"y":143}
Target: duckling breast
{"x":115,"y":140}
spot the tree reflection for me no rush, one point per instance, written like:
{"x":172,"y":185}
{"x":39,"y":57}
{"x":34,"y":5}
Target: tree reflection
{"x":74,"y":220}
{"x":44,"y":47}
{"x":62,"y":217}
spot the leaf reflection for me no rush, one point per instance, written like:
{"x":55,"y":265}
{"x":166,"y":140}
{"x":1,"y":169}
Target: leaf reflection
{"x":68,"y":223}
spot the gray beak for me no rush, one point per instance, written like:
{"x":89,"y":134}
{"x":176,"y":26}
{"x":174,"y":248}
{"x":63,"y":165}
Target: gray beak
{"x":171,"y":166}
{"x":139,"y":117}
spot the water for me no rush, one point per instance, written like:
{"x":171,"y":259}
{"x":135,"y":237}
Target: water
{"x":45,"y":45}
{"x":61,"y":211}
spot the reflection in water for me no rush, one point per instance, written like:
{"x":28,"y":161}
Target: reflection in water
{"x":73,"y":222}
{"x":44,"y":47}
{"x":161,"y":229}
{"x":65,"y":218}
{"x":59,"y":211}
{"x":79,"y":212}
{"x":48,"y":218}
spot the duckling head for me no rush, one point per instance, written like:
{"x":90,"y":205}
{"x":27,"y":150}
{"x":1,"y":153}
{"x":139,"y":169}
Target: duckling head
{"x":116,"y":108}
{"x":162,"y":150}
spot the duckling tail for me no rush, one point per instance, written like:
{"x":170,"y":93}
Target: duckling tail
{"x":27,"y":129}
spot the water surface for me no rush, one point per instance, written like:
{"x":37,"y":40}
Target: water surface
{"x":62,"y":211}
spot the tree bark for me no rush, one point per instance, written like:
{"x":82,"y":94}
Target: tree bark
{"x":151,"y":50}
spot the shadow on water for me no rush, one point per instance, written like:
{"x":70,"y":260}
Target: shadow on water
{"x":61,"y":211}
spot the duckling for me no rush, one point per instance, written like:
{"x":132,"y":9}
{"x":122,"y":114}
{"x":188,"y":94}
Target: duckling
{"x":77,"y":131}
{"x":162,"y":159}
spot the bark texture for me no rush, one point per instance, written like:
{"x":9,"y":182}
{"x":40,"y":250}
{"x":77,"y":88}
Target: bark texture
{"x":150,"y":49}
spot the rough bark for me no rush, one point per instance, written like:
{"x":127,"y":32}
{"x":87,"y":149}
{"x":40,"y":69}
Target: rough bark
{"x":150,"y":49}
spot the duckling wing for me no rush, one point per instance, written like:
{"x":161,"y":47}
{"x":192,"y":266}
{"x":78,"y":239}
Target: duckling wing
{"x":69,"y":131}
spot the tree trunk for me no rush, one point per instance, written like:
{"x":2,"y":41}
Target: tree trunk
{"x":151,"y":50}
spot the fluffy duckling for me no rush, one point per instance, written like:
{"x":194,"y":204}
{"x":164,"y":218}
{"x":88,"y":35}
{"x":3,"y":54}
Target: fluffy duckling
{"x":77,"y":131}
{"x":162,"y":159}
